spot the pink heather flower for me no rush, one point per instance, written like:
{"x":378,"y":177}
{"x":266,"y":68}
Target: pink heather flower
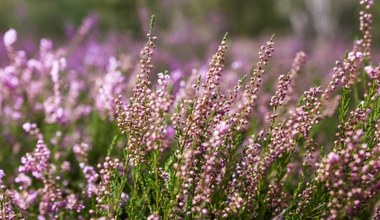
{"x":368,"y":69}
{"x":2,"y":174}
{"x":170,"y":132}
{"x":333,"y":157}
{"x":45,"y":44}
{"x":153,"y":217}
{"x":10,"y":38}
{"x":86,"y":26}
{"x":27,"y":127}
{"x":73,"y":203}
{"x":66,"y":166}
{"x":9,"y":76}
{"x":352,"y":56}
{"x":32,"y":129}
{"x":371,"y":72}
{"x":24,"y":199}
{"x":108,"y":86}
{"x":36,"y":162}
{"x":369,"y":3}
{"x":23,"y":180}
{"x":91,"y":179}
{"x":55,"y":72}
{"x":221,"y":128}
{"x":80,"y":151}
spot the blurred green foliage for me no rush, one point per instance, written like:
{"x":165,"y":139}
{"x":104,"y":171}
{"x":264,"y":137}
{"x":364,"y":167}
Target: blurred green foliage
{"x":51,"y":17}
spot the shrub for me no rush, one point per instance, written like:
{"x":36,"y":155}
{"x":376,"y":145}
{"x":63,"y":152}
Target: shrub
{"x":189,"y":150}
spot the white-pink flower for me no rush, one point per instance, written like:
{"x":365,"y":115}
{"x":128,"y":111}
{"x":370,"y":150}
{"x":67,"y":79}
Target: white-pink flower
{"x":2,"y":174}
{"x":370,"y":71}
{"x":10,"y":37}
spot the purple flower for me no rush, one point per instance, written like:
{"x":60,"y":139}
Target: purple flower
{"x":36,"y":162}
{"x":333,"y":157}
{"x":2,"y":174}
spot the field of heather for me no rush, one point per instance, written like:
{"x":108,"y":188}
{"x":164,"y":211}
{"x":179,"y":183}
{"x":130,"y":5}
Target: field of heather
{"x":246,"y":110}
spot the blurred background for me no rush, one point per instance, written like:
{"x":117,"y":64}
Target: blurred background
{"x":306,"y":18}
{"x":189,"y":30}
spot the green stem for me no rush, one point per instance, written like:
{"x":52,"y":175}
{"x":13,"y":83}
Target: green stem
{"x":157,"y":180}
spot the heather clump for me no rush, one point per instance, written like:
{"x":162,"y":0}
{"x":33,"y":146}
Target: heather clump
{"x":128,"y":140}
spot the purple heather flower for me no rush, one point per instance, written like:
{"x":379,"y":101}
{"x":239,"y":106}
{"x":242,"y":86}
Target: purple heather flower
{"x":170,"y":132}
{"x":24,"y":199}
{"x":333,"y":157}
{"x":2,"y":174}
{"x":23,"y":180}
{"x":36,"y":162}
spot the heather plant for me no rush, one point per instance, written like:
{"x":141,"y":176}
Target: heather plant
{"x":124,"y":143}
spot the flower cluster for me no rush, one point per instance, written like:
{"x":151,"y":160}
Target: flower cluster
{"x":366,"y":26}
{"x":144,"y":116}
{"x":37,"y":162}
{"x":350,"y":191}
{"x":104,"y":188}
{"x":347,"y":71}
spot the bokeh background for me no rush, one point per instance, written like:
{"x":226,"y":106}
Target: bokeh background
{"x":190,"y":29}
{"x":306,"y":18}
